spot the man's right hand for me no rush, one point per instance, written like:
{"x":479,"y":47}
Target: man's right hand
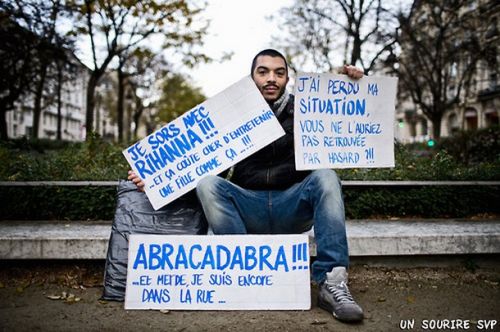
{"x":136,"y":180}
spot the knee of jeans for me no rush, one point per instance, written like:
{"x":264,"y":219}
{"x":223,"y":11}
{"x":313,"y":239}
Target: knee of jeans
{"x":207,"y":187}
{"x":326,"y":179}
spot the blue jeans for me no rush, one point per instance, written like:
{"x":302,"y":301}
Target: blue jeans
{"x":317,"y":200}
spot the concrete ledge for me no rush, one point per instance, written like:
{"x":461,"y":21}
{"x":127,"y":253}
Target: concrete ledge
{"x":54,"y":239}
{"x":89,"y":240}
{"x":422,"y":237}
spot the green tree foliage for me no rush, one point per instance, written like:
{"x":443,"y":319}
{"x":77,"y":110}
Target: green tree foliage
{"x":138,"y":72}
{"x":474,"y":147}
{"x":18,"y":65}
{"x":114,"y":27}
{"x":146,"y":69}
{"x":40,"y":160}
{"x":33,"y":54}
{"x":178,"y":96}
{"x":49,"y":50}
{"x":22,"y":160}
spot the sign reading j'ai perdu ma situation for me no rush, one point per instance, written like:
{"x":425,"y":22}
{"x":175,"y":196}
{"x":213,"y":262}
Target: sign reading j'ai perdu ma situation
{"x":220,"y":272}
{"x":344,"y":123}
{"x":207,"y":139}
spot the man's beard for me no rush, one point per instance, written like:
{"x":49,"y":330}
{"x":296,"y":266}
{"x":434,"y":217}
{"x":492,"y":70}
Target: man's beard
{"x":279,"y":104}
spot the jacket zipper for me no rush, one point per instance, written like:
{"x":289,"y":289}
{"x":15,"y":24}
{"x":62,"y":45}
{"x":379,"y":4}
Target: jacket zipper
{"x":268,"y":173}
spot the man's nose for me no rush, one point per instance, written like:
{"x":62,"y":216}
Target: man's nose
{"x":271,"y":77}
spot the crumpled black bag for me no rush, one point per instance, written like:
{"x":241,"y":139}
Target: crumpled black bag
{"x":135,"y":215}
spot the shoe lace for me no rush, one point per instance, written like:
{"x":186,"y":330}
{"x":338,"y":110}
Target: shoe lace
{"x":340,"y":292}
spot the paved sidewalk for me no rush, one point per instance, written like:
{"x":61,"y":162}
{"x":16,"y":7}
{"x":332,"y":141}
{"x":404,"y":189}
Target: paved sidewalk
{"x":64,"y":296}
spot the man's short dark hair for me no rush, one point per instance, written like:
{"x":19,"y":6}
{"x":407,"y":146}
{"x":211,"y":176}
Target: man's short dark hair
{"x":269,"y":52}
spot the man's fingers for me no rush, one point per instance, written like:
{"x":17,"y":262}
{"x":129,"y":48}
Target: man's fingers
{"x":353,"y":72}
{"x":136,"y":180}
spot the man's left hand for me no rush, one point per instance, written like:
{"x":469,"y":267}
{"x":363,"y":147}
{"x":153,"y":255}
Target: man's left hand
{"x":352,"y":72}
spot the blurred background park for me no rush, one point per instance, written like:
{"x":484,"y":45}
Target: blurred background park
{"x":82,"y":79}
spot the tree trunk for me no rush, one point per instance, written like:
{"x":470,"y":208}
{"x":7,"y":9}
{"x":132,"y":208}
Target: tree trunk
{"x":89,"y":121}
{"x":137,"y":117}
{"x":436,"y":127}
{"x":119,"y":102}
{"x":98,"y":116}
{"x":37,"y":107}
{"x":128,"y":132}
{"x":59,"y":106}
{"x":356,"y":50}
{"x":3,"y":124}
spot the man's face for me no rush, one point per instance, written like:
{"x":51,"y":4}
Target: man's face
{"x":270,"y":76}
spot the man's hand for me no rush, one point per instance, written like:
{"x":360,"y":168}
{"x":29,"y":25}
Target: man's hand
{"x":352,"y":72}
{"x":136,"y":180}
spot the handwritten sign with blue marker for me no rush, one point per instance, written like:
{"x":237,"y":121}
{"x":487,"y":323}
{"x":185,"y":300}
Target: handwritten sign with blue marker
{"x":344,"y":123}
{"x":220,"y":272}
{"x":207,"y":139}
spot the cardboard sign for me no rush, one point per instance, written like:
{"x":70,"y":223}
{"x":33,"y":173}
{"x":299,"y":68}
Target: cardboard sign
{"x":208,"y":139}
{"x":220,"y":272}
{"x":344,"y":123}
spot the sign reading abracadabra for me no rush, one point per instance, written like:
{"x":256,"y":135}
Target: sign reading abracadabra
{"x":223,"y":272}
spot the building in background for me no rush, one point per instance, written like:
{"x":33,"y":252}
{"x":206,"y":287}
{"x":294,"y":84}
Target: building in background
{"x":104,"y":108}
{"x":73,"y":102}
{"x":73,"y":108}
{"x":479,"y":102}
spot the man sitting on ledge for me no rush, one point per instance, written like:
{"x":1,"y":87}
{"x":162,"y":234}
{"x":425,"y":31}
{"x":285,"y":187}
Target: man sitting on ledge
{"x":265,"y":194}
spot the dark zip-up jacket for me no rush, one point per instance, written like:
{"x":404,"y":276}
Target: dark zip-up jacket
{"x":273,"y":167}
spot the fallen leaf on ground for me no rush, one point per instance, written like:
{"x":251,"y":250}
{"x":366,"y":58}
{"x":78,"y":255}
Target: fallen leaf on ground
{"x":486,"y":281}
{"x":72,"y":299}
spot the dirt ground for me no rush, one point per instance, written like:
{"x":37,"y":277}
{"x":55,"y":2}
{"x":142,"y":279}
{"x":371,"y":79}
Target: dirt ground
{"x":64,"y":296}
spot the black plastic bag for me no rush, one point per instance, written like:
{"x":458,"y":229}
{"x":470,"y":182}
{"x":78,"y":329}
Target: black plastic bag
{"x":135,"y":215}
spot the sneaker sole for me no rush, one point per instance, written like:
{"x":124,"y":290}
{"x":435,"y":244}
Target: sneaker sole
{"x":326,"y":306}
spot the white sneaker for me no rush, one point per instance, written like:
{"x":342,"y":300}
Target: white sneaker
{"x":334,"y":296}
